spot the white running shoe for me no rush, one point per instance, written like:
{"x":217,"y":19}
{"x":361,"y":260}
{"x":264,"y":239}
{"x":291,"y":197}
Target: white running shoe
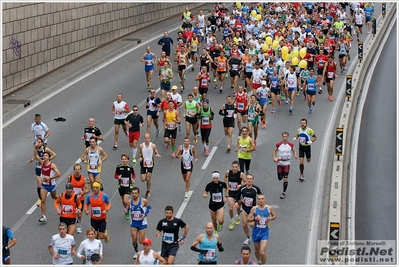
{"x":247,"y":241}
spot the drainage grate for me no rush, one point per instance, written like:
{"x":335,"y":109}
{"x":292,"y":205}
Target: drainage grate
{"x":17,"y":102}
{"x":132,"y":40}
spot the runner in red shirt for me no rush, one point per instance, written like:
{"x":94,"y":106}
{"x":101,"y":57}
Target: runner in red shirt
{"x":320,"y":61}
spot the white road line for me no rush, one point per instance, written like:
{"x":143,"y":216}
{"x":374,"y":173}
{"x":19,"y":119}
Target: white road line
{"x":205,"y":165}
{"x":183,"y":205}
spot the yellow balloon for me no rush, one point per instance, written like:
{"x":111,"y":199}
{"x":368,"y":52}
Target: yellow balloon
{"x":303,"y":63}
{"x":302,"y":52}
{"x":284,"y":50}
{"x":294,"y":61}
{"x":294,"y":53}
{"x":259,"y":17}
{"x":238,"y":4}
{"x":253,"y":13}
{"x":269,"y":40}
{"x":265,"y":47}
{"x":286,"y":57}
{"x":275,"y":44}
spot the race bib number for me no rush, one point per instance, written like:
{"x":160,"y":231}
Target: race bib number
{"x":234,"y":67}
{"x":233,"y":186}
{"x":251,"y":115}
{"x":204,"y":82}
{"x":148,"y":62}
{"x":261,"y":223}
{"x":205,"y":121}
{"x":93,"y":166}
{"x":190,"y":112}
{"x":88,"y":135}
{"x":77,"y":191}
{"x":257,"y":81}
{"x":330,"y":74}
{"x":168,"y":238}
{"x":136,"y":215}
{"x":210,"y":254}
{"x":96,"y":211}
{"x":171,"y":125}
{"x":248,"y":201}
{"x":230,"y":113}
{"x":62,"y":251}
{"x":243,"y":148}
{"x":311,"y":87}
{"x":148,"y":163}
{"x":187,"y":165}
{"x":125,"y":181}
{"x":217,"y":197}
{"x":240,"y":106}
{"x":302,"y":140}
{"x":67,"y":209}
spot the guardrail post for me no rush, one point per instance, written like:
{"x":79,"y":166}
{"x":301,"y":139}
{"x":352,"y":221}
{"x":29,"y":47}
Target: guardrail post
{"x":348,"y":86}
{"x":384,"y":9}
{"x":360,"y":51}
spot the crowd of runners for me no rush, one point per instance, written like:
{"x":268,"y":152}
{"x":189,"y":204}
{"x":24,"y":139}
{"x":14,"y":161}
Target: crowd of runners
{"x":270,"y":53}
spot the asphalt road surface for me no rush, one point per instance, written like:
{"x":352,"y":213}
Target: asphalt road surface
{"x":376,"y":162}
{"x":93,"y":97}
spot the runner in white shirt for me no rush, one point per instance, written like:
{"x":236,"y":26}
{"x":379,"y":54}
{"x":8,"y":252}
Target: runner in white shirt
{"x":62,"y":246}
{"x":282,"y":156}
{"x":291,"y":83}
{"x":40,"y":130}
{"x":119,"y":109}
{"x":201,"y":20}
{"x":258,"y":75}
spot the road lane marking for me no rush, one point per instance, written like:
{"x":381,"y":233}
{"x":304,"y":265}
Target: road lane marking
{"x":183,"y":205}
{"x":205,"y":165}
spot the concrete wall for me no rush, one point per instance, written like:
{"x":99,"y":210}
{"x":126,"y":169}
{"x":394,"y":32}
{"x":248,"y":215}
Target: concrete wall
{"x":40,"y":37}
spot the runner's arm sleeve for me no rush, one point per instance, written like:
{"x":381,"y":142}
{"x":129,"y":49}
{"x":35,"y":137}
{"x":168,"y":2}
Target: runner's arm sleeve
{"x":194,"y":248}
{"x":148,"y":210}
{"x":220,"y":247}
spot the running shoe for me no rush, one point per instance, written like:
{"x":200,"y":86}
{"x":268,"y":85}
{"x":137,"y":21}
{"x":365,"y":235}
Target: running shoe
{"x":216,"y":232}
{"x":227,"y":75}
{"x":205,"y":150}
{"x":181,"y":89}
{"x":287,"y":101}
{"x":221,"y":90}
{"x":135,"y":256}
{"x":231,"y":225}
{"x":186,"y":195}
{"x":279,"y":103}
{"x":134,"y":160}
{"x":102,"y":186}
{"x":79,"y":229}
{"x":167,"y":145}
{"x":324,"y":83}
{"x":195,"y":139}
{"x":179,"y":128}
{"x":290,"y":111}
{"x":157,"y":133}
{"x":127,"y":216}
{"x":349,"y":57}
{"x":107,"y":235}
{"x":238,"y":221}
{"x":297,"y":93}
{"x":282,"y":195}
{"x":147,"y":194}
{"x":273,"y":111}
{"x":43,"y":219}
{"x":228,"y":149}
{"x":232,"y":86}
{"x":39,"y":202}
{"x":173,"y":155}
{"x":304,"y":97}
{"x":192,"y":69}
{"x":255,"y":142}
{"x":282,"y":97}
{"x":216,"y":86}
{"x":214,"y":80}
{"x":115,"y":146}
{"x":247,"y":241}
{"x":310,"y":111}
{"x":220,"y":228}
{"x":301,"y":178}
{"x":342,"y":71}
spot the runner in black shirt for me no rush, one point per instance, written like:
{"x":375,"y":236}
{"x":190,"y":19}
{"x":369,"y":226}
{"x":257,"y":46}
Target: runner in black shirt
{"x":216,"y":200}
{"x":170,"y":237}
{"x":248,"y":195}
{"x":134,"y":121}
{"x":126,"y":178}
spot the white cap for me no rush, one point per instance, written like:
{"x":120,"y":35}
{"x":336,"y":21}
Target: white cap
{"x":239,"y":39}
{"x":263,"y":82}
